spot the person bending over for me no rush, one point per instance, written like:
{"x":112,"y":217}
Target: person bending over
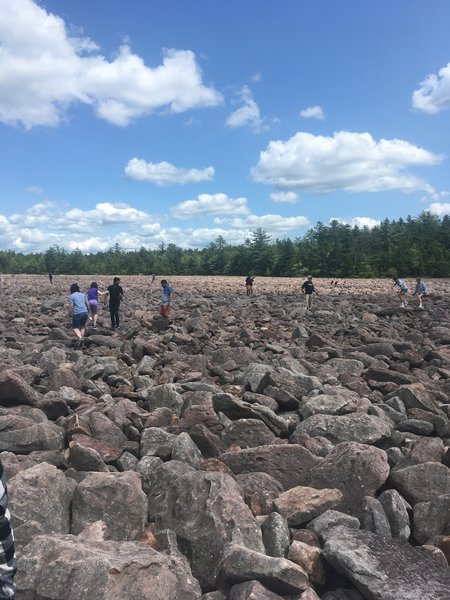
{"x":402,"y":290}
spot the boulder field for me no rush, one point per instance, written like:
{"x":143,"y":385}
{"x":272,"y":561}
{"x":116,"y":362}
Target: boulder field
{"x":251,"y":450}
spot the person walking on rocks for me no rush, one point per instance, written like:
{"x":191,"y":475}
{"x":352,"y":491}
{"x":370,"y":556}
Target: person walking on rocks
{"x":402,"y":290}
{"x":166,"y":298}
{"x":50,"y":277}
{"x":92,"y":295}
{"x":115,"y":294}
{"x":7,"y":555}
{"x":79,"y":311}
{"x":308,"y":290}
{"x":249,"y":285}
{"x":420,"y":291}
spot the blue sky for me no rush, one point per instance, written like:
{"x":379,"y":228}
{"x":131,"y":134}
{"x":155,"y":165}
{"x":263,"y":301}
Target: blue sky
{"x":144,"y":122}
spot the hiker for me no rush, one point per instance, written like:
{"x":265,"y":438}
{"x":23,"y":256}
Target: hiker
{"x":308,"y":290}
{"x":50,"y":277}
{"x":115,"y":294}
{"x":79,"y":311}
{"x":403,"y":290}
{"x":7,"y":556}
{"x":420,"y":291}
{"x":166,"y":298}
{"x":153,"y":278}
{"x":249,"y":285}
{"x":92,"y":295}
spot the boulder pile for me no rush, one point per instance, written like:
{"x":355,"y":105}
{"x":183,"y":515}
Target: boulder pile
{"x":252,"y":450}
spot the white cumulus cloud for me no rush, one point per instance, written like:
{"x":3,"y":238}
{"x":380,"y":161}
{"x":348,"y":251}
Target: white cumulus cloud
{"x":164,"y":173}
{"x":433,"y":94}
{"x":210,"y":204}
{"x":284,"y":197}
{"x":247,"y":115}
{"x":271,"y":223}
{"x":313,"y":112}
{"x":439,"y":208}
{"x":44,"y":70}
{"x":358,"y":222}
{"x":349,"y":161}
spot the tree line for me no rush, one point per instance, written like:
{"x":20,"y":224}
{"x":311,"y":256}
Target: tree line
{"x":408,"y":247}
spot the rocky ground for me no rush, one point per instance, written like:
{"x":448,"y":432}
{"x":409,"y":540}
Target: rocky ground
{"x":252,"y":451}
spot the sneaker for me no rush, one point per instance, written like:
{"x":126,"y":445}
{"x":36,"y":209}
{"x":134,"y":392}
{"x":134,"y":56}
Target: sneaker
{"x":80,"y":344}
{"x":94,"y":326}
{"x":402,"y":305}
{"x":421,"y":307}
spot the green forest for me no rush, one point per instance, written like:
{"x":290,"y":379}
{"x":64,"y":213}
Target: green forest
{"x":407,"y":247}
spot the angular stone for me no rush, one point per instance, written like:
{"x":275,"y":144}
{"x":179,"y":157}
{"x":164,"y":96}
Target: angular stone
{"x":104,"y":429}
{"x":356,"y":427}
{"x":300,"y":504}
{"x":432,"y":518}
{"x":385,"y":569}
{"x":276,"y":536}
{"x":372,"y":517}
{"x":109,"y":453}
{"x":157,"y":442}
{"x":422,"y":483}
{"x":289,"y":464}
{"x":234,"y":408}
{"x":117,"y":499}
{"x":309,"y":559}
{"x":64,"y":566}
{"x":84,"y":458}
{"x":326,"y":404}
{"x":252,"y":590}
{"x":242,"y":564}
{"x":15,"y":390}
{"x":259,"y":490}
{"x":247,"y":433}
{"x":185,"y":450}
{"x":329,"y":519}
{"x":415,"y":395}
{"x":165,"y":395}
{"x":22,"y":435}
{"x":396,"y":511}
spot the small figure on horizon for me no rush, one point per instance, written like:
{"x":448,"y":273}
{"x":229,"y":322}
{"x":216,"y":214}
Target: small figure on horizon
{"x":403,"y":290}
{"x":249,"y":285}
{"x":166,"y":298}
{"x":308,"y":290}
{"x":50,"y":277}
{"x":79,"y":311}
{"x":92,"y":295}
{"x":420,"y":291}
{"x":153,"y":278}
{"x":115,"y":295}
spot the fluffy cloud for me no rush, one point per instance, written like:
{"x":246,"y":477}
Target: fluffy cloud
{"x":210,"y":204}
{"x":313,"y":112}
{"x":439,"y":208}
{"x":347,"y":161}
{"x":44,"y":69}
{"x":286,"y":197}
{"x":358,"y":222}
{"x":164,"y":173}
{"x":247,"y":115}
{"x":434,"y":92}
{"x":271,"y":223}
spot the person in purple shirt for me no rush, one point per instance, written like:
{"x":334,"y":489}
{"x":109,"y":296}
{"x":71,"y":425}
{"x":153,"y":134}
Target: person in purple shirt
{"x":92,"y":295}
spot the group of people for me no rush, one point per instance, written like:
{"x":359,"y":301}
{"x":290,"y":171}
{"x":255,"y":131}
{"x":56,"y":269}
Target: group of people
{"x":420,"y":290}
{"x":83,"y":307}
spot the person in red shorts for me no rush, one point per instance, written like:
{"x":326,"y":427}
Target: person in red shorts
{"x":166,"y":297}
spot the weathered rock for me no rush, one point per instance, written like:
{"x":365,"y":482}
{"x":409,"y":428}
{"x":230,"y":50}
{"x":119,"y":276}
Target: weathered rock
{"x":361,"y":428}
{"x":252,"y":590}
{"x":326,"y":404}
{"x":276,"y":536}
{"x":396,"y":510}
{"x":15,"y":390}
{"x":165,"y":395}
{"x":259,"y":490}
{"x":372,"y":517}
{"x":21,"y":435}
{"x":85,"y":458}
{"x":247,"y":433}
{"x":385,"y":569}
{"x":300,"y":505}
{"x":309,"y":559}
{"x":432,"y":518}
{"x":104,"y":429}
{"x":243,"y":564}
{"x":64,"y":566}
{"x":329,"y":519}
{"x":157,"y":442}
{"x":185,"y":450}
{"x":108,"y":452}
{"x":422,"y":483}
{"x":290,"y":464}
{"x":117,"y":499}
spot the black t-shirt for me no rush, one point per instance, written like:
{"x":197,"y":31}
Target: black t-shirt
{"x":249,"y":281}
{"x":115,"y":294}
{"x":308,"y":286}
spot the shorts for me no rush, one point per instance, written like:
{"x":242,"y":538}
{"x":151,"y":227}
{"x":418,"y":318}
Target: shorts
{"x":165,"y":310}
{"x":93,"y":305}
{"x":79,"y":321}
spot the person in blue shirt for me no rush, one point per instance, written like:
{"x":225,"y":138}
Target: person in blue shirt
{"x":166,"y":297}
{"x":420,"y":291}
{"x":402,"y":290}
{"x":79,"y":311}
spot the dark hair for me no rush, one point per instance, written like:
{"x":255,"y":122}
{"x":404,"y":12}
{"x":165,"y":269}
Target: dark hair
{"x":163,"y":281}
{"x":94,"y":284}
{"x":74,"y":288}
{"x":116,"y":279}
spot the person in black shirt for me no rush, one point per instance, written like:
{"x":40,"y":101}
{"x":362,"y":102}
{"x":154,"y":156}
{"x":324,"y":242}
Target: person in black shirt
{"x":115,"y":295}
{"x":308,"y":290}
{"x":249,"y":285}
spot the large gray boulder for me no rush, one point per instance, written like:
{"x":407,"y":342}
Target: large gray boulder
{"x":383,"y":568}
{"x":423,"y":482}
{"x":22,"y":435}
{"x":64,"y":566}
{"x":355,"y":427}
{"x":432,"y":518}
{"x":115,"y":498}
{"x":206,"y":511}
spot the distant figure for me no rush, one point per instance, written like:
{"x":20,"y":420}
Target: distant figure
{"x":92,"y":295}
{"x":166,"y":298}
{"x":79,"y":311}
{"x":249,"y":285}
{"x":153,"y":278}
{"x":7,"y":556}
{"x":115,"y":294}
{"x":308,"y":290}
{"x":336,"y":282}
{"x":50,"y":277}
{"x":403,"y":290}
{"x":420,"y":291}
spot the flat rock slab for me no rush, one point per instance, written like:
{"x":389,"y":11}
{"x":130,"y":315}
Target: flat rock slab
{"x":385,"y":569}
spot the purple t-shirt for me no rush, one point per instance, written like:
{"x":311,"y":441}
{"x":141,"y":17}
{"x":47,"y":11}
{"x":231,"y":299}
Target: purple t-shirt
{"x":92,"y":294}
